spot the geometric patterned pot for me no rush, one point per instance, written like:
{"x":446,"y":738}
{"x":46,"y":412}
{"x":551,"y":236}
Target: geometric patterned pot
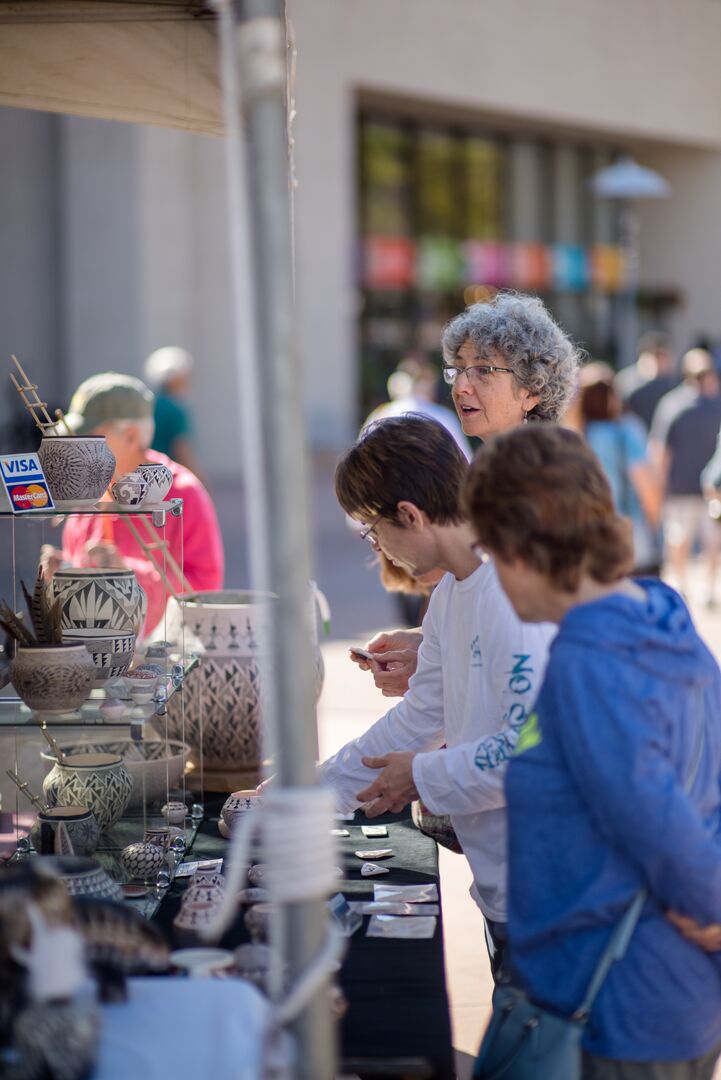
{"x":83,"y":830}
{"x":53,"y":679}
{"x":111,"y":651}
{"x":99,"y":781}
{"x":84,"y":877}
{"x":77,"y":467}
{"x":220,"y":702}
{"x":108,"y":599}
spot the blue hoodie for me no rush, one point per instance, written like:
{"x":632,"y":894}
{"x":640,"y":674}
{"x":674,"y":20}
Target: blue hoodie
{"x":597,"y":810}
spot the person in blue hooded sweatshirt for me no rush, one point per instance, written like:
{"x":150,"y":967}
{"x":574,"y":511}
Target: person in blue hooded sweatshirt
{"x":597,"y":806}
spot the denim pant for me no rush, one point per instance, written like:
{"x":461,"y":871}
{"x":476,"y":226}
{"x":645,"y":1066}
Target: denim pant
{"x":597,"y":1068}
{"x":496,"y":936}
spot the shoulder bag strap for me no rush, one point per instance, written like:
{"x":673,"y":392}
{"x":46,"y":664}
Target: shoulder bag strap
{"x":623,"y":930}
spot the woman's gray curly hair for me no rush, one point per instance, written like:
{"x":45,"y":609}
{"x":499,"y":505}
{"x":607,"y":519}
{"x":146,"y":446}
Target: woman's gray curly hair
{"x":520,"y":328}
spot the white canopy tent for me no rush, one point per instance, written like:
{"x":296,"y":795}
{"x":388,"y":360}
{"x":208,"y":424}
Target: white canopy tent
{"x":143,"y":61}
{"x":159,"y":62}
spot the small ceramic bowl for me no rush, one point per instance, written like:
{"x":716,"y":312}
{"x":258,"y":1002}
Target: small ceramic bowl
{"x":162,"y":837}
{"x":257,"y":921}
{"x":257,"y":874}
{"x":238,"y":804}
{"x":203,"y":962}
{"x":141,"y":685}
{"x":129,"y":490}
{"x":192,"y":919}
{"x":158,"y":650}
{"x":253,"y":962}
{"x":113,"y":708}
{"x":174,"y":812}
{"x":248,"y":897}
{"x":159,"y":479}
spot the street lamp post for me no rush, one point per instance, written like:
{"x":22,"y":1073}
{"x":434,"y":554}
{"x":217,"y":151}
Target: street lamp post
{"x":628,"y":182}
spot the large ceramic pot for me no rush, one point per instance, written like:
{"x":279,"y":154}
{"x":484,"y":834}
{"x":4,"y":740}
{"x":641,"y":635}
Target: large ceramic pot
{"x":99,"y":781}
{"x":78,"y":468}
{"x":82,"y":829}
{"x":55,"y":679}
{"x":106,"y":599}
{"x":155,"y":765}
{"x":221,"y":697}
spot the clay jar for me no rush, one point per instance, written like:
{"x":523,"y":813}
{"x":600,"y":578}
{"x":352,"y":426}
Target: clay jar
{"x":99,"y":781}
{"x":78,"y":468}
{"x":82,"y":828}
{"x":143,"y":861}
{"x":159,"y":479}
{"x":107,"y":599}
{"x":129,"y":490}
{"x":54,"y":679}
{"x":238,"y":804}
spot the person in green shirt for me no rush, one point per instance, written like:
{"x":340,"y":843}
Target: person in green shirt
{"x":169,"y":372}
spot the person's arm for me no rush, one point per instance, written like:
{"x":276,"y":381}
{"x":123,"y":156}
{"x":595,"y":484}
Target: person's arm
{"x":204,"y":559}
{"x":470,"y":777}
{"x":646,"y":485}
{"x":415,"y":723}
{"x":615,"y":750}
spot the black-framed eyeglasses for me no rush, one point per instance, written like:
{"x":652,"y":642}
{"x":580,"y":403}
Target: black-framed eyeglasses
{"x":368,"y":533}
{"x":476,"y":372}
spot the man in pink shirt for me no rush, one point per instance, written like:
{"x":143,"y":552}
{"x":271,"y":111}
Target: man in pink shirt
{"x":121,"y":408}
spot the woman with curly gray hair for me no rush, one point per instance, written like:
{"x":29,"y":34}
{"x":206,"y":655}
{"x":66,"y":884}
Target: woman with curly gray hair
{"x":508,"y":362}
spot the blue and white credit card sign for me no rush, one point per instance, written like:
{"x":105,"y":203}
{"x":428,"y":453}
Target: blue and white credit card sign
{"x":25,"y":483}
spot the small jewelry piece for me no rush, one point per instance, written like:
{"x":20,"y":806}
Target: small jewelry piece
{"x":379,"y":853}
{"x":370,"y":869}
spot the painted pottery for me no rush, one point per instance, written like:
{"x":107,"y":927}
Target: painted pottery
{"x":257,"y":874}
{"x":238,"y":804}
{"x":253,"y":962}
{"x":174,"y":812}
{"x":198,"y":893}
{"x":84,"y":877}
{"x":129,"y":490}
{"x":53,"y":679}
{"x":78,"y":468}
{"x":159,"y":479}
{"x":105,"y":599}
{"x":155,"y":765}
{"x":82,"y":829}
{"x":257,"y":921}
{"x":111,"y":652}
{"x":99,"y":781}
{"x":222,"y":696}
{"x":202,"y":962}
{"x":142,"y":861}
{"x":161,"y":836}
{"x":118,"y":937}
{"x":248,"y":897}
{"x":209,"y":877}
{"x":113,"y":708}
{"x":192,"y":919}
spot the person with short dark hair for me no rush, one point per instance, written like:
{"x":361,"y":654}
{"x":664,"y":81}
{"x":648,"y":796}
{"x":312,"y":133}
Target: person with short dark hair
{"x":479,"y":667}
{"x":597,"y":804}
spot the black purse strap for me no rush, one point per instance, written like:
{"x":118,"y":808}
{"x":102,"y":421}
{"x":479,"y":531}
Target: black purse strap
{"x":623,"y":930}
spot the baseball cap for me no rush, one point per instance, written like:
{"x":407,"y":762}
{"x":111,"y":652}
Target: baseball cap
{"x":108,"y":396}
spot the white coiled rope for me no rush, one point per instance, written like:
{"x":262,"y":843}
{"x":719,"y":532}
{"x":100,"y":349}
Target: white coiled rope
{"x":293,"y":826}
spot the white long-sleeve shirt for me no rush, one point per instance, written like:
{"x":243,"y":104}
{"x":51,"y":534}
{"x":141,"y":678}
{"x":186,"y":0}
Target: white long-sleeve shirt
{"x":479,"y":672}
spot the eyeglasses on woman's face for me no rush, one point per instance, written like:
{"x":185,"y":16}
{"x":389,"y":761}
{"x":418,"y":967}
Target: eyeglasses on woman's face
{"x":475,"y":373}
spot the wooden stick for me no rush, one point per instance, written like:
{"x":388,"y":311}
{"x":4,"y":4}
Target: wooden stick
{"x":31,"y":405}
{"x":61,"y":755}
{"x":60,"y":416}
{"x":23,"y":786}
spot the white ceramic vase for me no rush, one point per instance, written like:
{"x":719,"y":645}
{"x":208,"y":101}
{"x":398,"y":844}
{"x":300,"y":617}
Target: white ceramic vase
{"x":53,"y":679}
{"x":99,"y":781}
{"x":78,"y":468}
{"x":159,"y":479}
{"x":102,"y":599}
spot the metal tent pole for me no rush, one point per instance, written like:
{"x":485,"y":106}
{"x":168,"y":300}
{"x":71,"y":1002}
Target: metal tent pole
{"x":273,"y":393}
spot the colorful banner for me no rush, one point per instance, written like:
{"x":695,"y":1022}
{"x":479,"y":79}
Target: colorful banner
{"x":570,"y":268}
{"x":488,"y":263}
{"x":440,"y":263}
{"x":388,"y":262}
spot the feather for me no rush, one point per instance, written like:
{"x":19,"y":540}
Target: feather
{"x":14,"y":626}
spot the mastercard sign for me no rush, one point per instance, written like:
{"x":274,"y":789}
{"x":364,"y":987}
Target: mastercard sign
{"x":25,"y":483}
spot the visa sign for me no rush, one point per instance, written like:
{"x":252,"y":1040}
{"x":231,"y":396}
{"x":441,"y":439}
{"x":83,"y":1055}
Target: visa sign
{"x":25,"y":483}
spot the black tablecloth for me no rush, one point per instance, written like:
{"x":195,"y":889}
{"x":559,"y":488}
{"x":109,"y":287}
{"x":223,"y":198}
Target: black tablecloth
{"x":397,"y":1021}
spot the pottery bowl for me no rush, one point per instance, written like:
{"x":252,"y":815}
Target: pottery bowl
{"x":111,"y":650}
{"x":257,"y":921}
{"x":192,"y":919}
{"x":78,"y":468}
{"x":154,"y":765}
{"x":238,"y":804}
{"x":82,"y":829}
{"x":159,"y":479}
{"x":55,"y":679}
{"x":253,"y":962}
{"x":174,"y":812}
{"x":108,"y":599}
{"x":129,"y":490}
{"x":83,"y":877}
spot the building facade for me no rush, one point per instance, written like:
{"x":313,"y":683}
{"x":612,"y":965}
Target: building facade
{"x":442,"y":150}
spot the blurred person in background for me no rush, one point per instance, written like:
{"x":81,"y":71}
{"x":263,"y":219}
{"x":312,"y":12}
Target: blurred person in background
{"x":120,"y":407}
{"x":169,"y":373}
{"x":413,"y":388}
{"x":619,"y":442}
{"x":682,"y":440}
{"x":642,"y":385}
{"x":508,"y":363}
{"x":614,"y":786}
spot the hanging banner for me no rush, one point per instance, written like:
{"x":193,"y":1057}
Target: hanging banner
{"x":608,"y":268}
{"x":440,"y":263}
{"x":570,"y":267}
{"x":487,"y":262}
{"x":531,"y":266}
{"x":388,"y":262}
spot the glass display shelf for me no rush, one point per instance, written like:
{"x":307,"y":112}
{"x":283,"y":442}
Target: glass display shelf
{"x":130,"y":830}
{"x":13,"y":713}
{"x":158,"y":511}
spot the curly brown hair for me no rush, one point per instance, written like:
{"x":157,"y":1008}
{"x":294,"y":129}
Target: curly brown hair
{"x":538,"y":493}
